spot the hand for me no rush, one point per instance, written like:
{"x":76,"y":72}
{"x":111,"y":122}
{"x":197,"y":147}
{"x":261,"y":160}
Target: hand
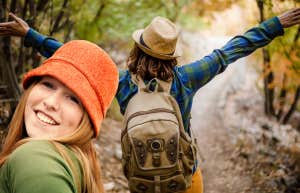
{"x":17,"y":27}
{"x":290,"y":18}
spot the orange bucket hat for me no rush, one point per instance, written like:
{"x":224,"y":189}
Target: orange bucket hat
{"x":88,"y":71}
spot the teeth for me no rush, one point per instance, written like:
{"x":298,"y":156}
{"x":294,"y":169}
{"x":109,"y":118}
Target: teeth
{"x":45,"y":118}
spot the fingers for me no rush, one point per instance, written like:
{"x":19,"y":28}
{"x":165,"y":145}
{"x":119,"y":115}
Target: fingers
{"x":7,"y":24}
{"x":296,"y":13}
{"x":294,"y":23}
{"x":296,"y":10}
{"x":296,"y":17}
{"x":9,"y":32}
{"x":10,"y":23}
{"x":23,"y":27}
{"x":16,"y":27}
{"x":17,"y":19}
{"x":5,"y":32}
{"x":13,"y":16}
{"x":290,"y":18}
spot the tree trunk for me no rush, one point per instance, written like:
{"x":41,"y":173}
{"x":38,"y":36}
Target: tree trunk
{"x":268,"y":74}
{"x":9,"y":77}
{"x":58,"y":19}
{"x":282,"y":98}
{"x":293,"y":106}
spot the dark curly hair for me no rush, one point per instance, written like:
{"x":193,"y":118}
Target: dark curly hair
{"x":148,"y":67}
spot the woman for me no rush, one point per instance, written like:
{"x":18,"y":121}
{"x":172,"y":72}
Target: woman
{"x":49,"y":146}
{"x":154,"y":56}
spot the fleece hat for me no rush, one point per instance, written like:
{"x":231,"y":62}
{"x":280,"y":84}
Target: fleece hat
{"x":88,"y":71}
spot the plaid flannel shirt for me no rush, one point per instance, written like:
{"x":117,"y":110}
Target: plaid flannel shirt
{"x":190,"y":77}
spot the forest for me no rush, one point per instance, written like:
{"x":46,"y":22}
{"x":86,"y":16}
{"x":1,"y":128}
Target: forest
{"x":254,"y":138}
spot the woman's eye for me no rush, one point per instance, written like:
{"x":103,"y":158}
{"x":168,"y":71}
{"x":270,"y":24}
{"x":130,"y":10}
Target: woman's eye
{"x":74,"y":99}
{"x":48,"y":84}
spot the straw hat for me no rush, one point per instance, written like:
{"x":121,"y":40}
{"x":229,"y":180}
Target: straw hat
{"x":158,"y":39}
{"x":88,"y":71}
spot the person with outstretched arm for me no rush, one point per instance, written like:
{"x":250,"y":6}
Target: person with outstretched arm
{"x":154,"y":55}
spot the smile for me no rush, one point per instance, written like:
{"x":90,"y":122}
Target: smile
{"x":45,"y":118}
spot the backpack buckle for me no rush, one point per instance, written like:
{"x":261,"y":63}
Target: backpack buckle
{"x":156,"y":146}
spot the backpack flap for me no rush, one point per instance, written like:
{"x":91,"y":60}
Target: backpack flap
{"x":154,"y":144}
{"x":153,"y":132}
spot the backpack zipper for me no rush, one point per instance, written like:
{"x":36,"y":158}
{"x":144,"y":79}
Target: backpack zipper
{"x":157,"y":110}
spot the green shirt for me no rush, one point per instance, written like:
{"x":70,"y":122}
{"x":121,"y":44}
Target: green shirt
{"x":37,"y":167}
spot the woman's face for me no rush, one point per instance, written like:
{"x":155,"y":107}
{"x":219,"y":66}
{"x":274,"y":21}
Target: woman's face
{"x":52,"y":110}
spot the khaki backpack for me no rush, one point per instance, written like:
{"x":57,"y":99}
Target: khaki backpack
{"x":158,"y":155}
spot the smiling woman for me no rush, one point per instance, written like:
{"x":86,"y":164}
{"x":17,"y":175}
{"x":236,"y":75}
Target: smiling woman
{"x":49,"y":145}
{"x":48,"y":109}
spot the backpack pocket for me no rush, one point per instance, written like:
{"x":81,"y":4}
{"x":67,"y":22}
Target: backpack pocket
{"x":126,"y":155}
{"x":189,"y":157}
{"x":140,"y":185}
{"x":174,"y":184}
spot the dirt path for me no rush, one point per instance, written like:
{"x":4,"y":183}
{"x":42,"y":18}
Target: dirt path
{"x":214,"y":139}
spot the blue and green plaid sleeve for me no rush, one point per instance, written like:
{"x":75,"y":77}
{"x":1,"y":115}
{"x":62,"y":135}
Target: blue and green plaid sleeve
{"x":45,"y":45}
{"x":198,"y":73}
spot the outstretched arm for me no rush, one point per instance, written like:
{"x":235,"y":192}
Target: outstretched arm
{"x":18,"y":27}
{"x":200,"y":72}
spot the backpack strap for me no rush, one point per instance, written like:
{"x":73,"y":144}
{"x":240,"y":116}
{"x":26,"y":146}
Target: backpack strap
{"x":137,"y":80}
{"x":179,"y":117}
{"x":161,"y":86}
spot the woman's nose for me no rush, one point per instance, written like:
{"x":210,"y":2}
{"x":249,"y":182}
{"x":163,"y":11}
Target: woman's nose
{"x":51,"y":102}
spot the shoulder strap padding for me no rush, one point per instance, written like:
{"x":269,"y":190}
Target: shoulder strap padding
{"x":161,"y":86}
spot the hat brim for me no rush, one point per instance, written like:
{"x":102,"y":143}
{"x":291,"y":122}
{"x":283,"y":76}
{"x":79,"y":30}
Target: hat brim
{"x":136,"y":35}
{"x":75,"y":81}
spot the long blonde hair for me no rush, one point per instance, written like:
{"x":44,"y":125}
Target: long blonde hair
{"x":80,"y":142}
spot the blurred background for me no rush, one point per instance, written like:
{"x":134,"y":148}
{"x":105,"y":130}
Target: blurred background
{"x":247,"y":120}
